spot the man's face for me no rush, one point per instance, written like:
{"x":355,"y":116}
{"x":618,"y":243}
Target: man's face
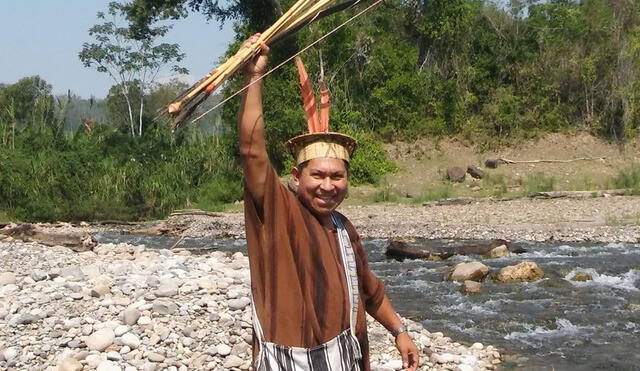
{"x":322,"y":184}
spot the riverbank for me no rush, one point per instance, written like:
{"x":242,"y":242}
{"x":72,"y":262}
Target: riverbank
{"x":124,"y":307}
{"x":603,"y":219}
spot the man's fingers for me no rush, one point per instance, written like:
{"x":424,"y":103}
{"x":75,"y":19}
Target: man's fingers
{"x":405,"y":358}
{"x":413,"y":361}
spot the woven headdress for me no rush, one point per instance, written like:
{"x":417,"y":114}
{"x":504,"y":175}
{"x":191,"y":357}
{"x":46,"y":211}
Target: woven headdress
{"x":319,"y":142}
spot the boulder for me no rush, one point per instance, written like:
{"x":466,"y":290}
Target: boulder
{"x":485,"y":248}
{"x":475,"y":172}
{"x":523,"y":272}
{"x":456,"y":174}
{"x":498,"y":252}
{"x":581,"y":277}
{"x":400,"y":249}
{"x":471,"y":287}
{"x":472,"y":271}
{"x":492,"y":163}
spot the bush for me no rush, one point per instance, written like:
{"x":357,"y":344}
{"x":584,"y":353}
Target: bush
{"x":628,"y":178}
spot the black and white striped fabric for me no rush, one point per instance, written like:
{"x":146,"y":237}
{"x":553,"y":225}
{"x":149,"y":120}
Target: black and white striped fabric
{"x":341,"y":353}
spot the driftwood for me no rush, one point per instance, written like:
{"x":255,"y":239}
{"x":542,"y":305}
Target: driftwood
{"x":193,"y":212}
{"x":76,"y":241}
{"x":507,"y":161}
{"x":494,"y":162}
{"x":400,"y":250}
{"x":581,"y":194}
{"x":451,"y":201}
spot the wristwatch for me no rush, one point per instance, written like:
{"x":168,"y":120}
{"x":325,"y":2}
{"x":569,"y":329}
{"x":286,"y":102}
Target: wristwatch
{"x":399,"y":331}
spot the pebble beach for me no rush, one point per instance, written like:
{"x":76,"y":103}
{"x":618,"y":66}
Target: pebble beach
{"x":127,"y":307}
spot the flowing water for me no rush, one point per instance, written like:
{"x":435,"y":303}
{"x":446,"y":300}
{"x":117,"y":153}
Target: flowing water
{"x":552,"y":324}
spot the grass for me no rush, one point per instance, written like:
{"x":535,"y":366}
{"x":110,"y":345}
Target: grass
{"x":628,"y":178}
{"x":495,"y":183}
{"x":539,"y":182}
{"x":441,"y":192}
{"x":385,"y":193}
{"x":625,"y":219}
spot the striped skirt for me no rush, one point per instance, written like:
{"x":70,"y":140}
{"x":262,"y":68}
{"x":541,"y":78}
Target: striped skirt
{"x":341,"y":353}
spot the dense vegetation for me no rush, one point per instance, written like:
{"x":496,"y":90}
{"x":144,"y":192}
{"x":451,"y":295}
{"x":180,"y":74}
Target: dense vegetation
{"x":491,"y":72}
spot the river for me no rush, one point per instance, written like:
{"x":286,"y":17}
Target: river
{"x":552,"y":324}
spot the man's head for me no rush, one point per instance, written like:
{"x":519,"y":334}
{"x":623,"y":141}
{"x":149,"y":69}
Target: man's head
{"x":322,"y":183}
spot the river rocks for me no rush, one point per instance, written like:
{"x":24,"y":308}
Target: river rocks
{"x":581,"y":277}
{"x":523,"y":272}
{"x":130,"y":316}
{"x":7,"y":278}
{"x":131,"y":340}
{"x":100,"y":289}
{"x":473,"y":271}
{"x":70,"y":364}
{"x":232,"y":361}
{"x":100,"y":339}
{"x":498,"y":252}
{"x":471,"y":287}
{"x":164,"y":307}
{"x":204,"y":323}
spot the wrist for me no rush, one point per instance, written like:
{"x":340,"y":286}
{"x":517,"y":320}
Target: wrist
{"x":400,"y":330}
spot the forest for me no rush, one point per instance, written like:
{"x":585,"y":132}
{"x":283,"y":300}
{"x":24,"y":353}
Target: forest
{"x":490,"y":73}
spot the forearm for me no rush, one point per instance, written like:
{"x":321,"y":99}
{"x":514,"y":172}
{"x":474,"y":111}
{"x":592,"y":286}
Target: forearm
{"x":386,"y":316}
{"x":250,"y":118}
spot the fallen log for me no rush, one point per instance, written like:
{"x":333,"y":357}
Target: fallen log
{"x":581,"y":194}
{"x":194,"y":212}
{"x":76,"y":241}
{"x":507,"y":161}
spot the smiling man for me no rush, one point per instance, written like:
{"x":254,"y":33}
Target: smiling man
{"x":310,"y":281}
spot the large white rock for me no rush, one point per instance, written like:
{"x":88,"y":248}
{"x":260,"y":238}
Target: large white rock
{"x":232,"y":361}
{"x":108,"y":366}
{"x":7,"y":278}
{"x":100,"y":339}
{"x":472,"y":271}
{"x":131,"y":340}
{"x":70,"y":364}
{"x":223,"y":349}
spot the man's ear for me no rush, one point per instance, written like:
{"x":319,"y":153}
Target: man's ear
{"x":295,"y":174}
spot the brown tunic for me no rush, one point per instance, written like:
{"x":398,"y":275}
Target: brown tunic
{"x":297,"y":280}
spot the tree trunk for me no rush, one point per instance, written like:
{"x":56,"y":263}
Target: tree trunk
{"x":422,"y":42}
{"x":125,"y":92}
{"x":140,"y":115}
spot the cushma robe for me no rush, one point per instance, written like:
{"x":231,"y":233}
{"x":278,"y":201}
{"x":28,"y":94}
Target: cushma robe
{"x":297,"y":279}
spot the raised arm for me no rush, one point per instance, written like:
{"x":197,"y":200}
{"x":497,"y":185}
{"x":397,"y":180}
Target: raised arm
{"x":251,"y":128}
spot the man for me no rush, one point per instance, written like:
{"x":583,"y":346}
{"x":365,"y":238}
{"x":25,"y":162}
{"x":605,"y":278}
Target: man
{"x":310,"y":279}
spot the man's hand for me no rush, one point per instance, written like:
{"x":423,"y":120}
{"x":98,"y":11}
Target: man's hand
{"x":408,"y":351}
{"x":258,"y":65}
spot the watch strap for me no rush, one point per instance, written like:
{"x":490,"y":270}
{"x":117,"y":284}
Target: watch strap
{"x":399,"y":331}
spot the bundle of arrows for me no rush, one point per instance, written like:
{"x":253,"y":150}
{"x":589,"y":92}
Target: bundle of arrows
{"x":299,"y":15}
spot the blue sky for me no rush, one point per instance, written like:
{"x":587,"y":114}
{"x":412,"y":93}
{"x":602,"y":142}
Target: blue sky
{"x":43,"y":37}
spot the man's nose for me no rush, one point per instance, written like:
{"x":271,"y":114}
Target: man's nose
{"x":327,"y":184}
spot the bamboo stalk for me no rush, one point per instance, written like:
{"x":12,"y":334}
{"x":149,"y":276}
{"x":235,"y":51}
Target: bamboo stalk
{"x":301,"y":13}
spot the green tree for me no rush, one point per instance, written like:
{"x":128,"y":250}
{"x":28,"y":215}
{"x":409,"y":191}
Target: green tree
{"x":130,"y":62}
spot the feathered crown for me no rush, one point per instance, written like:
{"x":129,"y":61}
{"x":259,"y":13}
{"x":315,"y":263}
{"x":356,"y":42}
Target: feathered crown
{"x":319,"y":142}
